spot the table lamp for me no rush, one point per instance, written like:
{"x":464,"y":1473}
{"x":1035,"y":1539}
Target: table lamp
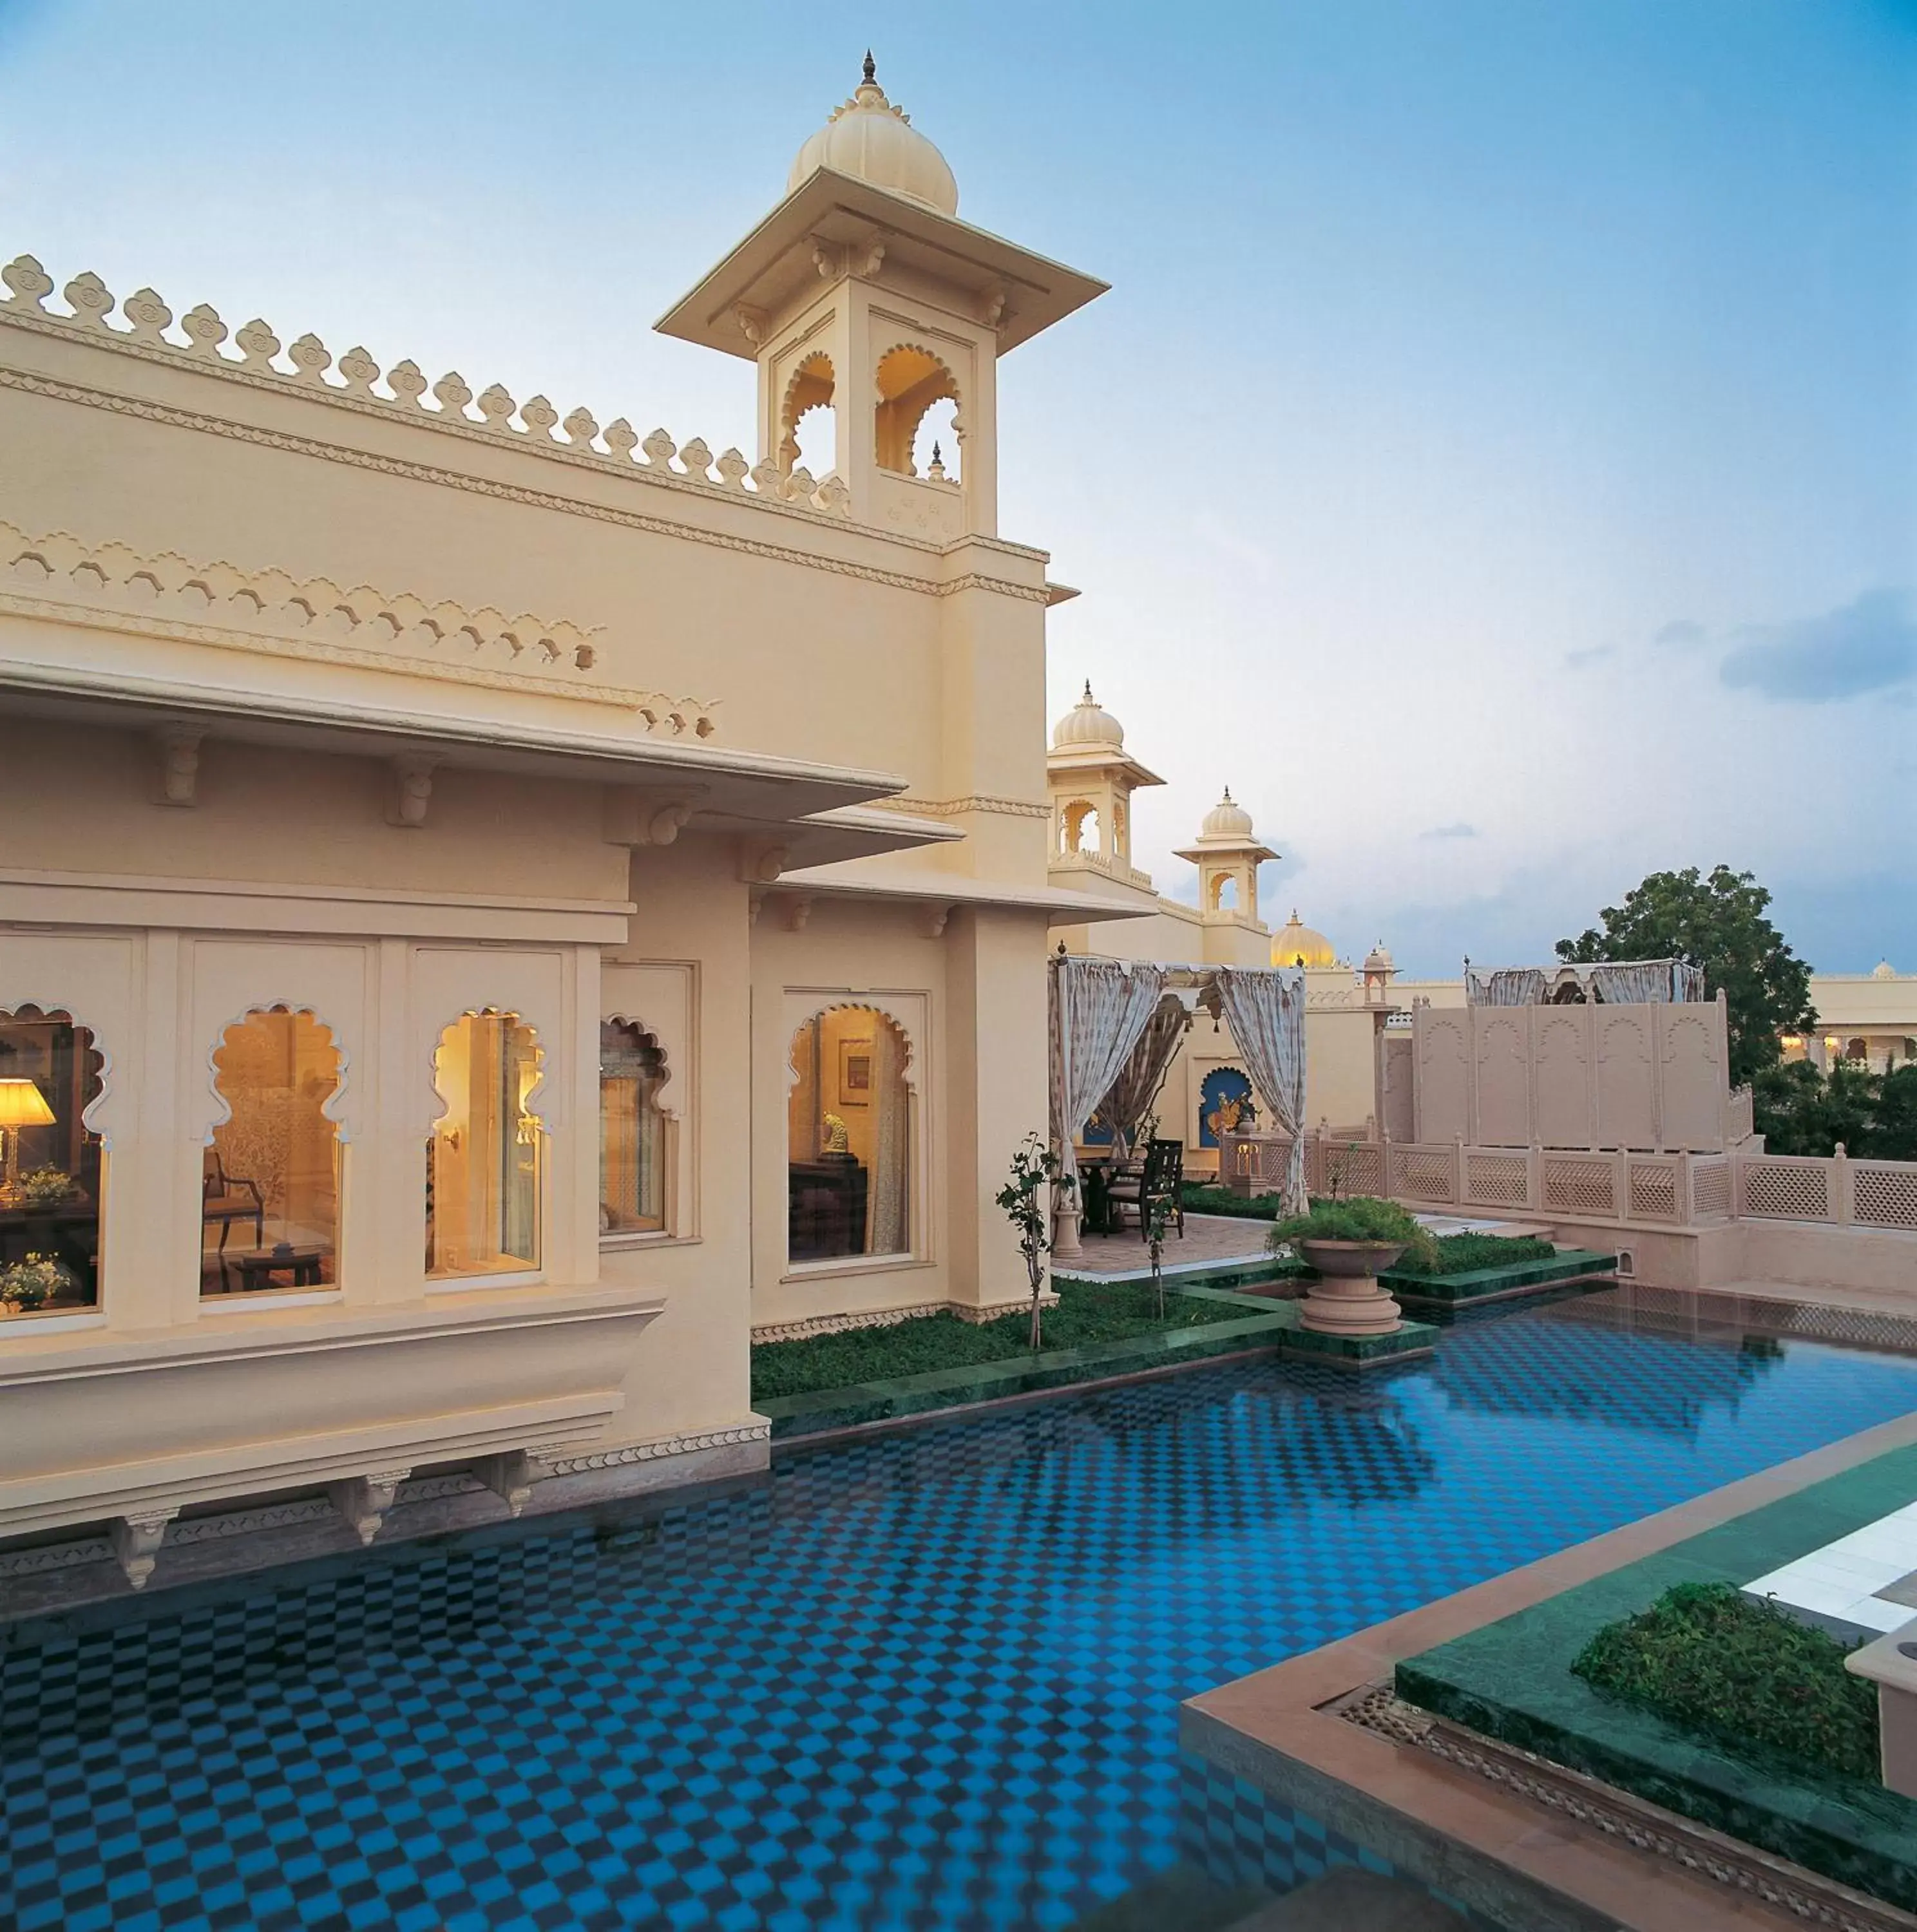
{"x":22,"y":1105}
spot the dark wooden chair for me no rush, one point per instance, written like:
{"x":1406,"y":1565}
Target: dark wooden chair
{"x":227,"y":1197}
{"x":1162,"y":1175}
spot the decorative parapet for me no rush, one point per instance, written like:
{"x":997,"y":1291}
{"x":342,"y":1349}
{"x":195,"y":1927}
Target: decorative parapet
{"x":269,"y":611}
{"x":532,"y":425}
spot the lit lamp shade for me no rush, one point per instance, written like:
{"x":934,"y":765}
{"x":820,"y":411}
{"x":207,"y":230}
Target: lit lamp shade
{"x":23,"y":1104}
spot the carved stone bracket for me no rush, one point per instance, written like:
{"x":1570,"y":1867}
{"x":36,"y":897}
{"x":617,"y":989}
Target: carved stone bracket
{"x":364,"y":1501}
{"x":510,"y":1476}
{"x":797,"y":908}
{"x":761,"y":865}
{"x":637,"y":816}
{"x":135,"y":1541}
{"x":176,"y":780}
{"x":933,"y":920}
{"x":412,"y":790}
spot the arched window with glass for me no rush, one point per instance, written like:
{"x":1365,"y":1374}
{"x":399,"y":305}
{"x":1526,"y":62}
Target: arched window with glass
{"x":52,"y":1173}
{"x":484,"y":1162}
{"x":269,"y":1182}
{"x":635,"y":1165}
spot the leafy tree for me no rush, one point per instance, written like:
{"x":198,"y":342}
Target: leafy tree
{"x":1893,"y":1136}
{"x":1717,"y":923}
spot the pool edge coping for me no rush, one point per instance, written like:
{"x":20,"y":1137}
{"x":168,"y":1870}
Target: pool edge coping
{"x":1273,"y":1728}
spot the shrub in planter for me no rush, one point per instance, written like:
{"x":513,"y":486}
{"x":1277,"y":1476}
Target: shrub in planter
{"x":46,"y":1186}
{"x":1363,"y":1219}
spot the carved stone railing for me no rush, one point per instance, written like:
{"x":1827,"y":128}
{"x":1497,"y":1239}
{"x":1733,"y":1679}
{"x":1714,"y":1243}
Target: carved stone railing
{"x":145,"y":319}
{"x":1622,"y":1185}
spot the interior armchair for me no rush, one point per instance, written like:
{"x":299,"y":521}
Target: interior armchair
{"x":227,"y":1197}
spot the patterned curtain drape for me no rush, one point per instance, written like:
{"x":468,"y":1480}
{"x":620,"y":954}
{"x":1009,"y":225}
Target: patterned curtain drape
{"x":1137,"y":1086}
{"x":1264,"y":1006}
{"x":1643,"y":983}
{"x":1509,"y":986}
{"x":1099,"y":1008}
{"x":891,"y":1232}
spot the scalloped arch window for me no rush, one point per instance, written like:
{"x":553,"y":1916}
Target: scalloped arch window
{"x":269,"y":1183}
{"x":52,"y":1171}
{"x":484,"y":1161}
{"x":632,"y":1129}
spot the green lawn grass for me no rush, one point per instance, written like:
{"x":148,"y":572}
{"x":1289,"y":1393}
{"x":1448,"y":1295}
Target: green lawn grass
{"x":1100,"y":1311}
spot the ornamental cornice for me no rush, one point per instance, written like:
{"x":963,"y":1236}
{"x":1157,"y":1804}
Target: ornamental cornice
{"x":757,"y":1430}
{"x":60,"y":579}
{"x":973,"y":579}
{"x":116,"y":404}
{"x":953,"y":808}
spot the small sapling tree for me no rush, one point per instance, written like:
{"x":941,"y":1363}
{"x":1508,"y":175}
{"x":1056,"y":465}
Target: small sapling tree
{"x":1037,"y":1172}
{"x":1158,"y":1211}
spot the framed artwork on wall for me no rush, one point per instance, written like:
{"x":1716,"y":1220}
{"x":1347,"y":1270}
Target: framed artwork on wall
{"x":854,"y":1073}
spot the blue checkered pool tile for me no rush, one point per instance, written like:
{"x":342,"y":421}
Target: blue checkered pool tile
{"x":921,"y":1681}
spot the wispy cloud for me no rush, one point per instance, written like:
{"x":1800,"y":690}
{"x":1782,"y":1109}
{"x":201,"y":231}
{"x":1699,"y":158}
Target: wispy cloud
{"x":1869,"y":645}
{"x":1681,"y":630}
{"x":1458,"y":830}
{"x":1597,"y":654}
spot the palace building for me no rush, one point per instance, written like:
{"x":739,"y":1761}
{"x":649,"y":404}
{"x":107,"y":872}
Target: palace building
{"x":497,"y":911}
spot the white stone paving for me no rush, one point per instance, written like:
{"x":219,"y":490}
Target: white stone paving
{"x":1839,"y":1582}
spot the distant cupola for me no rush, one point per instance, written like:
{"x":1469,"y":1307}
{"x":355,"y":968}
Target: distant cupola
{"x":1087,"y":723}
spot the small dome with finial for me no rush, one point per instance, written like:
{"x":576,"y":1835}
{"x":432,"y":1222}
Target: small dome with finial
{"x":1296,"y":944}
{"x":869,"y":138}
{"x":1883,"y":969}
{"x":1377,"y":960}
{"x":1227,"y":819}
{"x":1086,"y":724}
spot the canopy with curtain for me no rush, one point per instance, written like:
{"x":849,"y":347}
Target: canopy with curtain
{"x":1638,"y":982}
{"x":1100,"y":1009}
{"x":1264,"y":1006}
{"x":1137,"y":1085}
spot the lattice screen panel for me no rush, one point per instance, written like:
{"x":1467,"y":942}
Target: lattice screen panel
{"x":1783,"y":1191}
{"x":1421,"y":1177}
{"x":1653,"y":1190}
{"x":1710,"y":1190}
{"x":1885,"y":1197}
{"x":1580,"y":1187}
{"x":1497,"y":1180}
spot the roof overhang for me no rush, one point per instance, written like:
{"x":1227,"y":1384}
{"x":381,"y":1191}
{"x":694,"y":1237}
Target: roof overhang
{"x":743,"y":787}
{"x":1196,"y":855}
{"x":929,"y":887}
{"x":772,"y":268}
{"x":1092,"y":758}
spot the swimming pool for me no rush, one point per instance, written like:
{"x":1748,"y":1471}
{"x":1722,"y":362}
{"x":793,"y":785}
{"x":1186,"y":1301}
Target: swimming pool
{"x":924,"y":1680}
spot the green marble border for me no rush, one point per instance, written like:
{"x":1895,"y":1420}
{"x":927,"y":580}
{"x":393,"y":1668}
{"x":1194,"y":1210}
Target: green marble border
{"x":1512,"y":1680}
{"x":1453,"y":1291}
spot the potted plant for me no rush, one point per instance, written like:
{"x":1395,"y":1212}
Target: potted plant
{"x":28,"y":1285}
{"x":46,"y":1187}
{"x":1348,"y":1243}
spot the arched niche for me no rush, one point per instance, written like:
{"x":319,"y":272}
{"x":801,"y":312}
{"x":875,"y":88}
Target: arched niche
{"x":52,"y":1168}
{"x":909,"y":378}
{"x":270,"y":1171}
{"x":485,"y":1157}
{"x":638,"y":1130}
{"x":852,"y":1154}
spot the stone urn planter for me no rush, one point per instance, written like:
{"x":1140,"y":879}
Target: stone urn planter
{"x":1346,"y":1299}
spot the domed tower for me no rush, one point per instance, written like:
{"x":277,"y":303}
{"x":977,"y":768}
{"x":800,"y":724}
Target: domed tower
{"x":1091,"y":777}
{"x":1296,"y":943}
{"x":863,"y":294}
{"x":1228,"y":855}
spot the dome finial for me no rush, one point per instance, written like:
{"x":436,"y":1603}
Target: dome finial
{"x":1088,"y":698}
{"x":871,"y":67}
{"x":1227,"y":794}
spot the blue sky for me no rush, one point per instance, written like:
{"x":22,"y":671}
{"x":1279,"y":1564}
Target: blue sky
{"x":1497,"y":458}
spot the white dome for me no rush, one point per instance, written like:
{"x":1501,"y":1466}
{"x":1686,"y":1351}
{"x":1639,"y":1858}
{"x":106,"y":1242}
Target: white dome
{"x":868,"y":137}
{"x":1227,"y":819}
{"x":1085,"y":724}
{"x":1377,"y":960}
{"x":1883,"y":969}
